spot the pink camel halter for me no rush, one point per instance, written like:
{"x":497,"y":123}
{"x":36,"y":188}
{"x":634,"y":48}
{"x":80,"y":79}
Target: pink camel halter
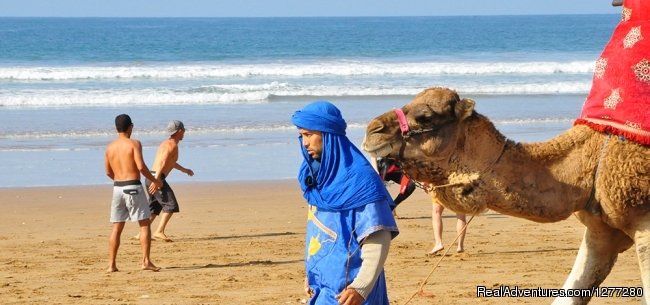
{"x":401,"y":119}
{"x":619,"y":100}
{"x":404,"y":125}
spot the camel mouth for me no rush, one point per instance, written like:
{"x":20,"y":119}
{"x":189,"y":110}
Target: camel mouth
{"x":379,"y":151}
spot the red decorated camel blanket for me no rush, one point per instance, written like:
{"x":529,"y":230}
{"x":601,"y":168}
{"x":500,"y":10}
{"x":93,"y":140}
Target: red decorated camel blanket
{"x":619,"y":100}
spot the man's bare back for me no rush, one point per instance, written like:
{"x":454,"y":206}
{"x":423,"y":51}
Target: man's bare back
{"x":122,"y":156}
{"x":124,"y":161}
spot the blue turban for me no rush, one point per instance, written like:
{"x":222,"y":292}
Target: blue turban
{"x":344,"y":179}
{"x":321,"y":116}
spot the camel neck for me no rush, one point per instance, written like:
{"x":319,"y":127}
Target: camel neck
{"x":517,"y":179}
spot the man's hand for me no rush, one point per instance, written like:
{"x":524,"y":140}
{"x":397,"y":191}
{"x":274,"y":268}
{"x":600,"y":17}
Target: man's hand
{"x":350,"y":296}
{"x":308,"y":291}
{"x":189,"y":172}
{"x":426,"y":187}
{"x":155,"y":185}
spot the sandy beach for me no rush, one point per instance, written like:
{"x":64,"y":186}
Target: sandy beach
{"x":242,"y":243}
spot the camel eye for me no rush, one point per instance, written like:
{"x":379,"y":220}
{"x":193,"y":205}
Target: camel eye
{"x":426,"y":117}
{"x":423,"y":116}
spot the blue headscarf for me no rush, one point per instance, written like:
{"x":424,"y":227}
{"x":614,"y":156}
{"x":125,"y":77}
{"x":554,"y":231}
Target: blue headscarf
{"x":344,"y":179}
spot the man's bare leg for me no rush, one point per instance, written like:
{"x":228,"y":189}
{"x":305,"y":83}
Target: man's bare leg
{"x":460,"y":225}
{"x":151,"y":218}
{"x":160,"y":232}
{"x":145,"y":243}
{"x":436,"y":221}
{"x":114,"y":245}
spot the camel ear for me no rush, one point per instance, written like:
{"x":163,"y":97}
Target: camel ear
{"x":464,"y":108}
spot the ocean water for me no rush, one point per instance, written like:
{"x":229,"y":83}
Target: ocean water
{"x":235,"y":82}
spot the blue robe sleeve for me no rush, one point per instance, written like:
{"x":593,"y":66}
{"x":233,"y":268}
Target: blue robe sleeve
{"x":374,"y":217}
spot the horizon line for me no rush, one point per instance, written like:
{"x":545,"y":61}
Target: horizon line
{"x":314,"y":16}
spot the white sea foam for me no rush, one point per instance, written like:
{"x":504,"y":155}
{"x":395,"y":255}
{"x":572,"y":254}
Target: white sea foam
{"x":533,"y":121}
{"x":90,"y":98}
{"x":566,"y":87}
{"x":292,"y":69}
{"x":263,"y":93}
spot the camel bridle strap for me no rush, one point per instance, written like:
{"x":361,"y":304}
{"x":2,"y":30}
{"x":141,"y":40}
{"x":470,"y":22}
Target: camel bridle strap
{"x":407,"y":133}
{"x":401,"y":119}
{"x":404,"y":125}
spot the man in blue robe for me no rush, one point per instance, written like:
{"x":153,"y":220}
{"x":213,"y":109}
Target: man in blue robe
{"x":350,"y":224}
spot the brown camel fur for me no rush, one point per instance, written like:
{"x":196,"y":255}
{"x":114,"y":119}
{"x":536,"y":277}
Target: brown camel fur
{"x":603,"y":180}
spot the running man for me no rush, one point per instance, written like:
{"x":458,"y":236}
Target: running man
{"x":166,"y":160}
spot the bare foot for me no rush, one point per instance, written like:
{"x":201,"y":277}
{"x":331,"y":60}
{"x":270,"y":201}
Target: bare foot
{"x":435,"y":250}
{"x":460,"y":250}
{"x":151,"y":267}
{"x":112,"y":269}
{"x":162,"y":236}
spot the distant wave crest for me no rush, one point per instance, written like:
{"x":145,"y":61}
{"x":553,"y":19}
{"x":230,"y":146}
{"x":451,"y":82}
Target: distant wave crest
{"x":251,"y":94}
{"x":344,"y":68}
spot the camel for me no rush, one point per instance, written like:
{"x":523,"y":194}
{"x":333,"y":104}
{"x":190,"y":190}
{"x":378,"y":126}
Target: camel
{"x":603,"y":180}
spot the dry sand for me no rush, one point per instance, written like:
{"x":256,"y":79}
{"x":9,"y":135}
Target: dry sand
{"x":242,"y":243}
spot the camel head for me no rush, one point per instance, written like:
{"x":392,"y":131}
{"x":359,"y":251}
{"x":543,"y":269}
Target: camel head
{"x":433,"y":119}
{"x":429,"y":150}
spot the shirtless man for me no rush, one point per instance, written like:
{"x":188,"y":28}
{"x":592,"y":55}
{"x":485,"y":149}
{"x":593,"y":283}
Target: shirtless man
{"x":165,"y":161}
{"x":123,"y":164}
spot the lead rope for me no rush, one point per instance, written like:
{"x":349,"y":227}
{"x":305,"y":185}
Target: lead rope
{"x":421,"y":288}
{"x":428,"y":188}
{"x":406,"y":132}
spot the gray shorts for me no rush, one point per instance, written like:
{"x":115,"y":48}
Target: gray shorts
{"x":129,"y":202}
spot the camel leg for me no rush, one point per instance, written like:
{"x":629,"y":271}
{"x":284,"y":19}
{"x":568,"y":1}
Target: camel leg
{"x":642,"y":241}
{"x":596,"y":257}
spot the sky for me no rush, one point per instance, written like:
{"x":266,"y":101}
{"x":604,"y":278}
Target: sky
{"x":297,"y":8}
